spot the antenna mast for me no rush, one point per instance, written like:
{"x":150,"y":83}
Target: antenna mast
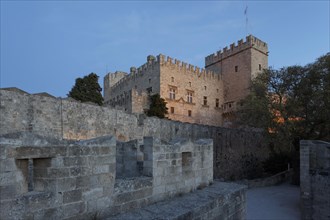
{"x":246,"y":18}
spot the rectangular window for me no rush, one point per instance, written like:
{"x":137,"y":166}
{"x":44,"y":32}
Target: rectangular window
{"x":189,"y":113}
{"x":236,"y":69}
{"x":259,"y":66}
{"x":189,"y":96}
{"x":217,"y":103}
{"x":205,"y":100}
{"x":186,"y":158}
{"x":149,"y":90}
{"x":172,"y":93}
{"x":172,"y":110}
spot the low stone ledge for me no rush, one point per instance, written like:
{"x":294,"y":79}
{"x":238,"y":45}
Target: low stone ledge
{"x":268,"y":181}
{"x":219,"y":201}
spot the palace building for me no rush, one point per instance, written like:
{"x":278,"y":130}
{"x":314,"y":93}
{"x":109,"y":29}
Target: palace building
{"x":204,"y":96}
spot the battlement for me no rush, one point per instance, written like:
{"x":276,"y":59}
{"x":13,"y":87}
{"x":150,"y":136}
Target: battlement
{"x":250,"y":42}
{"x":155,"y":62}
{"x":116,"y":75}
{"x":135,"y":73}
{"x":187,"y":68}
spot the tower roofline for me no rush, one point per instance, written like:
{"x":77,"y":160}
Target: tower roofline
{"x":249,"y":43}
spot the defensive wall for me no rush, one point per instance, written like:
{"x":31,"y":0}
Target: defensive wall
{"x":42,"y":177}
{"x":69,"y":119}
{"x":315,"y":179}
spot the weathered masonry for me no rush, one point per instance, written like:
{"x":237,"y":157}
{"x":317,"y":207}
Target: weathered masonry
{"x":69,"y":119}
{"x":315,"y":179}
{"x":204,"y":96}
{"x":55,"y":179}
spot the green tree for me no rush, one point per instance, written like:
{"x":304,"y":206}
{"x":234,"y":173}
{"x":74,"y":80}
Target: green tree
{"x":87,"y":89}
{"x":290,"y":104}
{"x":157,"y":106}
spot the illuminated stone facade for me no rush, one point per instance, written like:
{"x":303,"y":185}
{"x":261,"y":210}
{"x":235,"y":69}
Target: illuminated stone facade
{"x":203,"y":96}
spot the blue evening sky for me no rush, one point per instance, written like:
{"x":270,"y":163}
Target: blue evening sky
{"x":46,"y":45}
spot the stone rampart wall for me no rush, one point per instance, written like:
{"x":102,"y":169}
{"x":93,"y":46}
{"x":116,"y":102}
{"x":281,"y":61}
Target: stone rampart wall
{"x":55,"y":179}
{"x":45,"y":178}
{"x":68,"y":119}
{"x":315,"y":179}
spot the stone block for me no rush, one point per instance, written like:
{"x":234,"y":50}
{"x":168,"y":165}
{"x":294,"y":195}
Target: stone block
{"x":83,"y":181}
{"x":67,"y":184}
{"x":9,"y":191}
{"x":159,"y":189}
{"x":73,"y":209}
{"x":72,"y":196}
{"x":7,"y":165}
{"x":58,"y":172}
{"x":98,"y":169}
{"x":79,"y":151}
{"x":8,"y":178}
{"x":162,"y":164}
{"x":39,"y":152}
{"x":104,"y":202}
{"x":12,"y":209}
{"x":51,"y":213}
{"x":38,"y":200}
{"x":46,"y":184}
{"x":92,"y":194}
{"x":74,"y":161}
{"x":108,"y":190}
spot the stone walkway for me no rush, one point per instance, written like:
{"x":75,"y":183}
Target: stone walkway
{"x":274,"y":203}
{"x":219,"y":201}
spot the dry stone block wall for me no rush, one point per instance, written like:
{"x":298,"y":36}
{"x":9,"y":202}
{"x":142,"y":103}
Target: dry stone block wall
{"x":315,"y":179}
{"x":69,"y":119}
{"x":47,"y":178}
{"x":60,"y":179}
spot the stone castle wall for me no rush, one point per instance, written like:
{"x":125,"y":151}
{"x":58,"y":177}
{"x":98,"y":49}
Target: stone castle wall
{"x":143,"y":79}
{"x":67,"y":119}
{"x":195,"y":95}
{"x":44,"y":177}
{"x":161,"y":74}
{"x":315,"y":179}
{"x":185,"y":78}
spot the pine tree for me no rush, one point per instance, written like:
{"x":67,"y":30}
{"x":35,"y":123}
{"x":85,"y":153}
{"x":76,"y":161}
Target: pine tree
{"x":157,"y":106}
{"x":87,"y":89}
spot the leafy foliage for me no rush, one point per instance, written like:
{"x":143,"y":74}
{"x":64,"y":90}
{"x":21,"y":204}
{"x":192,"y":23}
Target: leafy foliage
{"x":157,"y":106}
{"x":251,"y":166}
{"x":290,"y":104}
{"x":293,"y":102}
{"x":277,"y":162}
{"x":87,"y":89}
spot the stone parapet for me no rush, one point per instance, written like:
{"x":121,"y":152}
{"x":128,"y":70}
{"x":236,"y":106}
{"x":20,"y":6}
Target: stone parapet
{"x":250,"y":42}
{"x":218,"y":201}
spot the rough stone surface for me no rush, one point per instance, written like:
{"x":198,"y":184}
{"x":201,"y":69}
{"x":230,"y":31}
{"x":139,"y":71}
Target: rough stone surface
{"x":67,"y":119}
{"x":77,"y":179}
{"x":50,"y":178}
{"x":315,"y":179}
{"x":194,"y":95}
{"x":218,"y":201}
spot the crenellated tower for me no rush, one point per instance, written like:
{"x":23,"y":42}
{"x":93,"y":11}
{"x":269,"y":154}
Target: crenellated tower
{"x":193,"y":94}
{"x":110,"y":80}
{"x":238,"y":64}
